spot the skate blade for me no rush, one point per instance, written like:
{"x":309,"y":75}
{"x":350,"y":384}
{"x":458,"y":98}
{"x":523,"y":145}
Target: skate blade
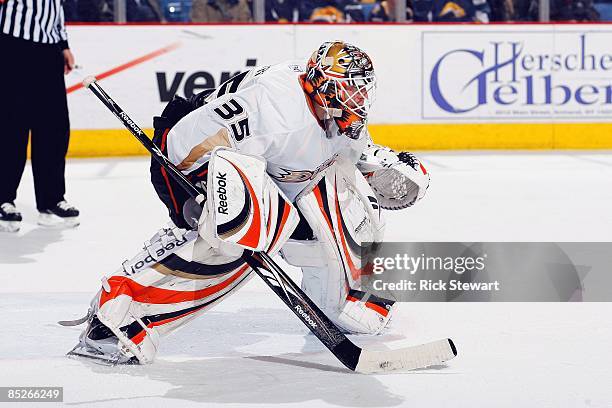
{"x":101,"y":359}
{"x":53,"y":221}
{"x":10,"y":226}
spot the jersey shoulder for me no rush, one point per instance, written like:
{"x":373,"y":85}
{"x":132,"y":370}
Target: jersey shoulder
{"x":261,"y":109}
{"x":279,"y":72}
{"x":267,"y":76}
{"x":272,"y":99}
{"x":283,"y":98}
{"x":279,"y":85}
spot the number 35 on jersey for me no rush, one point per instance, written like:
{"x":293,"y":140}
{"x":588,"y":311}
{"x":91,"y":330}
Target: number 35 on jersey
{"x":236,"y":117}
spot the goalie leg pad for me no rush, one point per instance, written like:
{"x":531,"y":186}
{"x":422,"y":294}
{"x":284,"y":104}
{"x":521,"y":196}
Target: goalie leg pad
{"x":160,"y":289}
{"x":365,"y":313}
{"x":136,"y":306}
{"x":344,"y":215}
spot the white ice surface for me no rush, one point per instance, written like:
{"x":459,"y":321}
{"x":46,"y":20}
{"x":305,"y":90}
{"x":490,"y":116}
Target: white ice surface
{"x":250,"y":350}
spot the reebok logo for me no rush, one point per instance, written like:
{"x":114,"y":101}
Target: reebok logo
{"x":160,"y":253}
{"x":306,"y":317}
{"x":361,"y":225}
{"x":221,"y":193}
{"x":129,"y":121}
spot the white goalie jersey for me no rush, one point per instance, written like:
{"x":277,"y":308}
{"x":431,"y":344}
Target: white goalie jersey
{"x":263,"y":112}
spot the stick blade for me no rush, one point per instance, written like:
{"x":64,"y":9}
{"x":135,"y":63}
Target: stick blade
{"x":72,"y":323}
{"x":409,"y":358}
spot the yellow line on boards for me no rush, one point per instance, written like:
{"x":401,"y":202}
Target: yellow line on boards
{"x":544,"y":136}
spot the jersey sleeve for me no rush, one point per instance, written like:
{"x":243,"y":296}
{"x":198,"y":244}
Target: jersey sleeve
{"x":239,"y":117}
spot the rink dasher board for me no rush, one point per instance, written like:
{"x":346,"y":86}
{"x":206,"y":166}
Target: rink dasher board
{"x":526,"y":86}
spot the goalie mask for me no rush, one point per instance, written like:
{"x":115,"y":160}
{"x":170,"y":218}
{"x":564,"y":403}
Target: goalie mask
{"x":340,"y":79}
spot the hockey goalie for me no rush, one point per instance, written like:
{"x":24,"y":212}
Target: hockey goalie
{"x":283,"y":157}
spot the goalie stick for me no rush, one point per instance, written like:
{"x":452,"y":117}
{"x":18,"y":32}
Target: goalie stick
{"x":351,"y":355}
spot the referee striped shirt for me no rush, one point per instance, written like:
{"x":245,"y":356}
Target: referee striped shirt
{"x":41,"y":21}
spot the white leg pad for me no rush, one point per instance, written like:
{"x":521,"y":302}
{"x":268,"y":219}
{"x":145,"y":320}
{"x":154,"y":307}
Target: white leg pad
{"x":342,"y":211}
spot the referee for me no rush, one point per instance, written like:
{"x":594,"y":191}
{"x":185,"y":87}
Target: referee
{"x":35,"y":58}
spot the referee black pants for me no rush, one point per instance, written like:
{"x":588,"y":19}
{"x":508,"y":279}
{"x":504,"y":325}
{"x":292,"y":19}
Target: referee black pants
{"x":33,"y":102}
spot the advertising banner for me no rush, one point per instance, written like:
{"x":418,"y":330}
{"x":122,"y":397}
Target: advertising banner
{"x":439,"y":87}
{"x":515,"y":75}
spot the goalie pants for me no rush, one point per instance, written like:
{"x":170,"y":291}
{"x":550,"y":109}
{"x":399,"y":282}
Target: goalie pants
{"x":33,"y":101}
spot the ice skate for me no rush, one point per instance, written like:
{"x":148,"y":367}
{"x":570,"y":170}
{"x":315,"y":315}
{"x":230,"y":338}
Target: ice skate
{"x":63,"y":215}
{"x":10,"y":218}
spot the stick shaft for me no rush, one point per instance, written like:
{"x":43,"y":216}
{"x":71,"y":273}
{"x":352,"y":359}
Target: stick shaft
{"x":144,"y":140}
